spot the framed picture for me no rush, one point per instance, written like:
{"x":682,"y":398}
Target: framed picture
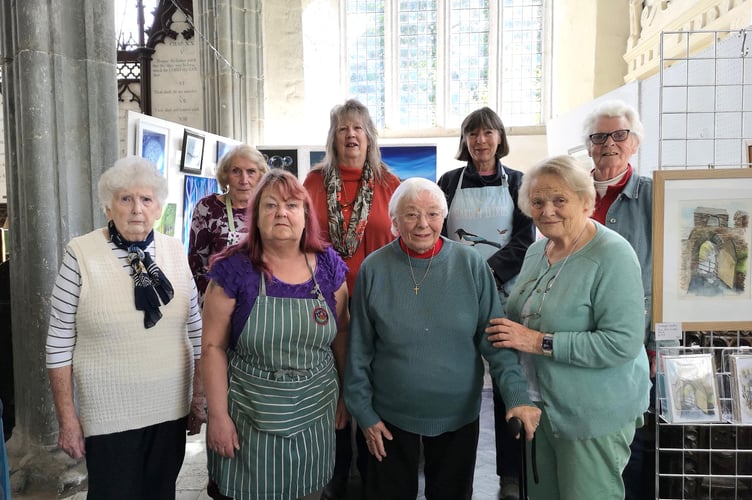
{"x":691,"y":388}
{"x":281,"y":158}
{"x":411,"y":161}
{"x":222,"y":148}
{"x":193,"y":152}
{"x":151,"y":143}
{"x":741,"y":387}
{"x":194,"y":188}
{"x":701,"y":244}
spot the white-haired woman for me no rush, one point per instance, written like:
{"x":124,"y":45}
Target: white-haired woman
{"x":576,"y":316}
{"x":219,"y":219}
{"x":125,"y":325}
{"x":414,"y":370}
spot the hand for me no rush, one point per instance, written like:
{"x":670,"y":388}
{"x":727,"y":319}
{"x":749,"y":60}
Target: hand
{"x":506,"y":334}
{"x":197,"y":416}
{"x":71,"y":439}
{"x":375,"y":436}
{"x":530,"y":416}
{"x":342,"y":417}
{"x":221,"y":436}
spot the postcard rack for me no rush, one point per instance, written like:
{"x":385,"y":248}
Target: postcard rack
{"x":704,"y":426}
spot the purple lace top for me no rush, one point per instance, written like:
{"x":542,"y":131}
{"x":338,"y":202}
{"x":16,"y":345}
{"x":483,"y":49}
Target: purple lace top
{"x":240,"y":281}
{"x":208,"y":235}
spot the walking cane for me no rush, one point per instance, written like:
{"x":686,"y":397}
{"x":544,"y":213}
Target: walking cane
{"x":517,"y":427}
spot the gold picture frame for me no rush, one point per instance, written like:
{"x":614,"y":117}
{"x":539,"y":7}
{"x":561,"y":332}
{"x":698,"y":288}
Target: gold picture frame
{"x":701,"y":244}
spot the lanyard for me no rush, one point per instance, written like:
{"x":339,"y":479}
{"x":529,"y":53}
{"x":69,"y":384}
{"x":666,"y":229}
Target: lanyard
{"x":230,"y":218}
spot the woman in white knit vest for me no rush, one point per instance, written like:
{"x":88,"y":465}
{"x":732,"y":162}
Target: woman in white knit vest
{"x":125,"y":325}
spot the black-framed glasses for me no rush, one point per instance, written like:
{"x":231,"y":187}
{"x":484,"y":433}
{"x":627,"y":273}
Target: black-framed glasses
{"x":616,"y":135}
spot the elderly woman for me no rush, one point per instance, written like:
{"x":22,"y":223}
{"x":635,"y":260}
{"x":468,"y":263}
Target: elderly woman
{"x":483,"y":213}
{"x":414,"y":371}
{"x":219,"y":219}
{"x":612,"y":132}
{"x":275,"y":333}
{"x":577,"y":316}
{"x":350,"y":192}
{"x":125,"y":324}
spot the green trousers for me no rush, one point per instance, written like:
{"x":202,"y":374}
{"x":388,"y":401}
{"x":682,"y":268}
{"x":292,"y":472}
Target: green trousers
{"x":579,"y":469}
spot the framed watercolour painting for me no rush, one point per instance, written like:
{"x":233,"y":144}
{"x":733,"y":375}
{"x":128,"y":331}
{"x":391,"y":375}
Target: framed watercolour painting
{"x":193,"y":152}
{"x":701,"y":243}
{"x":151,"y":143}
{"x":691,"y":388}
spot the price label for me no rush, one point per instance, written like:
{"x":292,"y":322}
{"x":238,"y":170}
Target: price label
{"x":668,"y":331}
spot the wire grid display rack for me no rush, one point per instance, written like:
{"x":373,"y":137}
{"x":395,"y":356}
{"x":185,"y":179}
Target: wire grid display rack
{"x":705,"y":118}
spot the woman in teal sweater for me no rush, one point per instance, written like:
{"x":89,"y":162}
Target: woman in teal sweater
{"x":414,"y":373}
{"x":577,"y":317}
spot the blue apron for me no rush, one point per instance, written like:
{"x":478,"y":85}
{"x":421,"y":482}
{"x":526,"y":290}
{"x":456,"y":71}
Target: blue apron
{"x":483,"y":217}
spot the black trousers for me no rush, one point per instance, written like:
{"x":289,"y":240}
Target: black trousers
{"x":449,"y":465}
{"x":141,"y":463}
{"x":507,"y":447}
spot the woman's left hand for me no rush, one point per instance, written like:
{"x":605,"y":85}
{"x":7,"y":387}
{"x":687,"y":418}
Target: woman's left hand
{"x":197,"y":416}
{"x":504,"y":333}
{"x":342,"y":417}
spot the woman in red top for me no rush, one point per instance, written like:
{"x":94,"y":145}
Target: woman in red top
{"x":350,"y":191}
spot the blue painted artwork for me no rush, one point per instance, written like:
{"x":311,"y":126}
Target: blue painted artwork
{"x":403,"y":161}
{"x":196,"y":187}
{"x":153,"y":148}
{"x":222,"y":148}
{"x":411,"y":161}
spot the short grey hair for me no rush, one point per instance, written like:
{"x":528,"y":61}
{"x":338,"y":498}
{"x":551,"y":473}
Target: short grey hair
{"x":613,"y":109}
{"x":565,"y":168}
{"x":129,"y":172}
{"x":409,"y":190}
{"x":242,"y":151}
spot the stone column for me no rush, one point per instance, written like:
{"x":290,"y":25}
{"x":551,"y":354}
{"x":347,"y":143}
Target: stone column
{"x":60,"y":90}
{"x":229,"y":36}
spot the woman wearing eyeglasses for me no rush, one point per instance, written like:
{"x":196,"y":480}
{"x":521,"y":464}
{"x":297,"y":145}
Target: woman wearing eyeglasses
{"x":624,"y":203}
{"x":414,"y":373}
{"x":576,"y":316}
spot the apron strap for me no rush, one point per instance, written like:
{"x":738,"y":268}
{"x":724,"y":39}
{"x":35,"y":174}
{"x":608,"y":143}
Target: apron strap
{"x":315,"y":291}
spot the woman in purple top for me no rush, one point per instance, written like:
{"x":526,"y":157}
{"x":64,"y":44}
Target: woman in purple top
{"x":212,"y":227}
{"x":275,"y":334}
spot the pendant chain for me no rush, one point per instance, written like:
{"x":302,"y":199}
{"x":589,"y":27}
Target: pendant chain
{"x":417,"y":284}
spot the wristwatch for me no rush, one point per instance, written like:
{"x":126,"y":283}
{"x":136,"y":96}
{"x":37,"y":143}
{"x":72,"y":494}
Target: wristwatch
{"x":547,"y":344}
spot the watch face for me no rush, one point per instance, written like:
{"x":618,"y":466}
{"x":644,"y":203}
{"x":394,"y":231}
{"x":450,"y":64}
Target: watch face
{"x":548,"y":344}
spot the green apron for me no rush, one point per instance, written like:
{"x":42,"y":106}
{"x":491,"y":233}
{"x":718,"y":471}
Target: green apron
{"x":282,"y":394}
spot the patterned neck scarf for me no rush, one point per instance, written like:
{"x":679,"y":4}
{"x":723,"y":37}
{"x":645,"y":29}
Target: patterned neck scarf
{"x":346,"y":243}
{"x":151,"y":284}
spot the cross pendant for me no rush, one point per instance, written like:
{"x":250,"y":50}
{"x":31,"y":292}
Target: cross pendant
{"x":416,"y":289}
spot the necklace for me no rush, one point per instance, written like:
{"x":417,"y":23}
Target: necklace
{"x":347,"y":204}
{"x":417,"y":284}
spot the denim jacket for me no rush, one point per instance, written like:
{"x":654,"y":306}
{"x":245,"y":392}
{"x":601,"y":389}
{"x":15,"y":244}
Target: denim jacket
{"x":631,"y":215}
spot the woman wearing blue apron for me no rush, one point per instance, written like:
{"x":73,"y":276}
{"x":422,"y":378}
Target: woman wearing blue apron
{"x":483,"y":213}
{"x":278,"y":304}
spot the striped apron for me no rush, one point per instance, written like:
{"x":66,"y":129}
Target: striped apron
{"x":282,"y":394}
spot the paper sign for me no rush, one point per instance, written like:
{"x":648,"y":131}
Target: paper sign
{"x":668,"y":331}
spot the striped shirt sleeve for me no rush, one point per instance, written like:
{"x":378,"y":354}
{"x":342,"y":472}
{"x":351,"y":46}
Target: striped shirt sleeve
{"x":61,"y":335}
{"x":194,"y":324}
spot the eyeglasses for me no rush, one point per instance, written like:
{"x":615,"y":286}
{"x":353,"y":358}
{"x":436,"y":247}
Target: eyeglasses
{"x":416,"y":216}
{"x":616,"y":135}
{"x":537,"y":314}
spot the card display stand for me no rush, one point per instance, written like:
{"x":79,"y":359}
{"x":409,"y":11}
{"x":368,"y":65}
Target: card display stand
{"x":706,"y":451}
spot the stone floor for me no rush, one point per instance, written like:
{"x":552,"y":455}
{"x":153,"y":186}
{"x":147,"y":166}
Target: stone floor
{"x":191,"y":483}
